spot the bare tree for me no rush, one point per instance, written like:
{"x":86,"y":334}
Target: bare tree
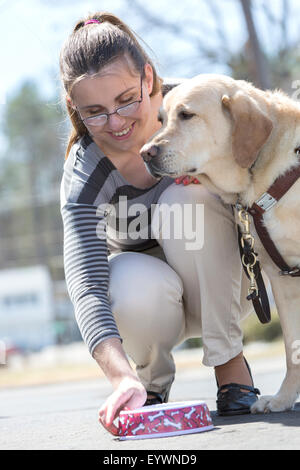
{"x":220,"y":52}
{"x":204,"y":27}
{"x":259,"y":62}
{"x":195,"y":31}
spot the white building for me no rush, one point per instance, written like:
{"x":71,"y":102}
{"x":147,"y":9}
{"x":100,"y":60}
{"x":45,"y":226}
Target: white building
{"x":26,"y":307}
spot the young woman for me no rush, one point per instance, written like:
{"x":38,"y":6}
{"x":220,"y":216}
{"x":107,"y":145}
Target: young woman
{"x":135,"y":293}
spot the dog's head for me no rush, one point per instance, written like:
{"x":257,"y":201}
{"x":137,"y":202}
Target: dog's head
{"x":209,"y":123}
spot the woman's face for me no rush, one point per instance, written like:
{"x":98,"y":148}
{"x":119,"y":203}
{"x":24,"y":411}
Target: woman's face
{"x":116,"y":86}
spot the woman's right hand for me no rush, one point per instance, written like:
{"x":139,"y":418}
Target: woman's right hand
{"x":129,"y":394}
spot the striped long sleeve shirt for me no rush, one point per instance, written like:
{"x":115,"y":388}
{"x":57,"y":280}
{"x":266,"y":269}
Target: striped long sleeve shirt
{"x":98,"y":209}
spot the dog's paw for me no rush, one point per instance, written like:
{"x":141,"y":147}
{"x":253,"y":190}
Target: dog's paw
{"x":261,"y":405}
{"x":270,"y":403}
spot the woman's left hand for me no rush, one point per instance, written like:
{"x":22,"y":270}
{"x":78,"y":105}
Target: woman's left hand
{"x":187,"y":180}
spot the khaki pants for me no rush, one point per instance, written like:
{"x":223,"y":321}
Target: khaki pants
{"x":168,"y":294}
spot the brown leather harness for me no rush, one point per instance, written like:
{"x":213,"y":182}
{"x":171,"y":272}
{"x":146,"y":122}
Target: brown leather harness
{"x":275,"y":192}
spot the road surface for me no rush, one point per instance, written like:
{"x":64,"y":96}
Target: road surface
{"x":64,"y":416}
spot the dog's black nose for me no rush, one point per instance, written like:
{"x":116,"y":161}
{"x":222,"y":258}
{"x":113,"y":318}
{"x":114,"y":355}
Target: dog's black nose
{"x":149,"y":152}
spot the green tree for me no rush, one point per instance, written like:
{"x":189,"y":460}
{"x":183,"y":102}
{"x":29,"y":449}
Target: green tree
{"x":32,"y":165}
{"x":33,"y":127}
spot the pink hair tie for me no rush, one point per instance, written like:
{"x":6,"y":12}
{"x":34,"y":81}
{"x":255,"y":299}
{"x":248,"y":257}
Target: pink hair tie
{"x":91,"y":21}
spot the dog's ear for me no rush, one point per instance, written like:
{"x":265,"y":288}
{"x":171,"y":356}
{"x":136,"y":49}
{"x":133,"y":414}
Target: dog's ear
{"x":251,"y":127}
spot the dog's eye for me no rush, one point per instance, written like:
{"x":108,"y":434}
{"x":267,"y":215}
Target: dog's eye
{"x":184,"y":115}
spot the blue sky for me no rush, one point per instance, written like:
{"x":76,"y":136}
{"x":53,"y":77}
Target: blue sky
{"x":33,"y":31}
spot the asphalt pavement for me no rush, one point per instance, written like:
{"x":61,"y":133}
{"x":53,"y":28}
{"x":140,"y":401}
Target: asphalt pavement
{"x":64,"y":416}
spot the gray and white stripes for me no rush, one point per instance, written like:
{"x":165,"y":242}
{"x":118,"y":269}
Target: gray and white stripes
{"x":91,"y":181}
{"x":87,"y":274}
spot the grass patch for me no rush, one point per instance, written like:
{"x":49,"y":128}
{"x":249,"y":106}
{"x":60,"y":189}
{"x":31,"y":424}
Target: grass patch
{"x":256,"y":331}
{"x":253,"y":330}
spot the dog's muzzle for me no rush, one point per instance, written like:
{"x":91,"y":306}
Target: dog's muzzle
{"x":150,"y":151}
{"x":158,"y":161}
{"x":150,"y":154}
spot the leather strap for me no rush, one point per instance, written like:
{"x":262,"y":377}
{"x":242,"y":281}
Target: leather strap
{"x":237,"y":386}
{"x":280,"y":186}
{"x":260,"y":301}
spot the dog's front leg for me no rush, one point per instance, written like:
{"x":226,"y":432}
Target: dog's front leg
{"x":286,"y":292}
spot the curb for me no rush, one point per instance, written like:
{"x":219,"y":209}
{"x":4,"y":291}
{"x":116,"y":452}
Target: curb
{"x":60,"y":372}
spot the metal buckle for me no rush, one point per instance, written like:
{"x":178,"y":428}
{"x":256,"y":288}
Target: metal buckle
{"x":266,"y":201}
{"x":288,"y":273}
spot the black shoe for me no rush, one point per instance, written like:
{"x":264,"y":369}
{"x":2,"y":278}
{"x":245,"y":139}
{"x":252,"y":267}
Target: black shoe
{"x":157,"y":398}
{"x":233,"y":401}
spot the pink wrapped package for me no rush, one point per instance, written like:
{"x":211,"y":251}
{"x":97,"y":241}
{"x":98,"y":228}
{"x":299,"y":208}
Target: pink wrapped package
{"x":167,"y":419}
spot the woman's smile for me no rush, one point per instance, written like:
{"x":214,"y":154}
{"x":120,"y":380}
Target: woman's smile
{"x":123,"y":134}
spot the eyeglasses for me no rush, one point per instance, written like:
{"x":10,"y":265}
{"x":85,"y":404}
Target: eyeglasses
{"x":127,"y":110}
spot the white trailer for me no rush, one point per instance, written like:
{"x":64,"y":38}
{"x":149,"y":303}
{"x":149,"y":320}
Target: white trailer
{"x":26,"y":307}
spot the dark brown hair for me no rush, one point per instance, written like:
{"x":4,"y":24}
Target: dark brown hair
{"x":88,"y":49}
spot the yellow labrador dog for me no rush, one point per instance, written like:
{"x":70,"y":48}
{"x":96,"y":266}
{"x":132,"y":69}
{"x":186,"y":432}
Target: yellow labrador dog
{"x":237,"y":139}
